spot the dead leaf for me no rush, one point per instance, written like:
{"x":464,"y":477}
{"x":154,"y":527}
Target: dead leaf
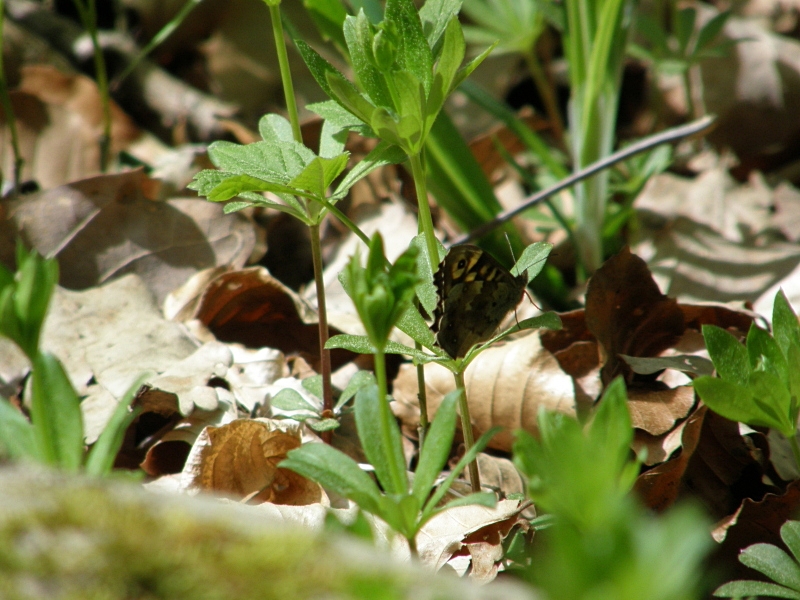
{"x":107,"y":226}
{"x":656,"y":410}
{"x":241,"y":459}
{"x":506,"y":386}
{"x":251,"y":307}
{"x":59,"y":120}
{"x":628,"y":314}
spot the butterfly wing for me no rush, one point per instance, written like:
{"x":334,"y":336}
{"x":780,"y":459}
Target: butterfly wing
{"x":475,"y":294}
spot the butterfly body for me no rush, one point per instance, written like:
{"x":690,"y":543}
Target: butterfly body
{"x":475,"y":293}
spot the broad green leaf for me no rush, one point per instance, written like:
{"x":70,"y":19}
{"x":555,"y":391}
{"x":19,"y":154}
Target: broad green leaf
{"x":785,"y":325}
{"x":357,"y":381}
{"x":772,"y":562}
{"x":289,"y":399}
{"x":732,"y":401}
{"x":101,"y":457}
{"x":435,"y":16}
{"x":319,"y":174}
{"x":764,"y":353}
{"x":324,"y":425}
{"x":274,"y":129}
{"x":383,"y":154}
{"x":790,"y":534}
{"x":276,"y":162}
{"x":532,"y":260}
{"x":335,"y":470}
{"x":426,"y":291}
{"x":412,"y":324}
{"x":16,"y":432}
{"x":411,"y":48}
{"x":359,"y":33}
{"x":747,"y":589}
{"x":380,"y":439}
{"x":436,"y":449}
{"x":56,"y":415}
{"x":332,"y":139}
{"x":772,"y":397}
{"x":234,"y":185}
{"x":729,"y":356}
{"x":313,"y":385}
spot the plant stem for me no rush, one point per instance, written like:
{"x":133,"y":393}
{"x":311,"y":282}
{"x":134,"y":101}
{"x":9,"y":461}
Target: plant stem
{"x":286,"y":74}
{"x":11,"y":119}
{"x":399,"y":478}
{"x":412,"y":546}
{"x":324,"y":354}
{"x":422,"y":396}
{"x":466,"y":428}
{"x":543,"y":85}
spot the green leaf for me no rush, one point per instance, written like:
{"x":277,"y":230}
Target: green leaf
{"x":729,"y":356}
{"x":687,"y":363}
{"x":786,"y":328}
{"x":319,"y":174}
{"x":412,"y":324}
{"x":101,"y":457}
{"x":435,"y":16}
{"x":313,"y":385}
{"x":16,"y":432}
{"x":336,"y":115}
{"x":234,"y":185}
{"x":235,"y":206}
{"x":452,"y":55}
{"x":790,"y":534}
{"x":360,"y":344}
{"x":436,"y":449}
{"x":357,"y":381}
{"x":772,"y":562}
{"x":412,"y":52}
{"x":732,"y":401}
{"x":772,"y":397}
{"x":653,"y":32}
{"x":335,"y":470}
{"x":747,"y":589}
{"x":684,"y":26}
{"x":319,"y":67}
{"x":488,"y":499}
{"x":332,"y":139}
{"x":710,"y":30}
{"x":471,"y":65}
{"x":380,"y":438}
{"x":289,"y":399}
{"x":532,"y":260}
{"x":346,"y":94}
{"x":359,"y":34}
{"x":56,"y":415}
{"x":324,"y":425}
{"x":275,"y":162}
{"x":328,"y":16}
{"x":383,"y":154}
{"x":765,"y":354}
{"x":274,"y":129}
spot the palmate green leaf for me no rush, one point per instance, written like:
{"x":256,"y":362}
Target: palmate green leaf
{"x":276,"y":162}
{"x":733,"y":401}
{"x":319,"y":174}
{"x":384,"y":454}
{"x":56,"y":415}
{"x":437,"y":447}
{"x":359,"y":34}
{"x":747,"y":589}
{"x":335,"y":470}
{"x":412,"y":52}
{"x":729,"y":356}
{"x":16,"y":433}
{"x":772,"y":562}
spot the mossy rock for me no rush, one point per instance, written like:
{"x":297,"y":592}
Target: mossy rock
{"x":68,"y":537}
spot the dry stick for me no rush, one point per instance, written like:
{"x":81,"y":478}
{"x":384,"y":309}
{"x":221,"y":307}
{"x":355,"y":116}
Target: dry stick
{"x":670,"y":135}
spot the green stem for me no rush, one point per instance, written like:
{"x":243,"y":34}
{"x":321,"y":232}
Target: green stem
{"x":9,"y":111}
{"x":286,"y":74}
{"x":398,"y":477}
{"x":324,"y":354}
{"x":425,"y":220}
{"x":466,"y":427}
{"x":795,"y":449}
{"x":545,"y":88}
{"x":422,"y":396}
{"x":412,"y":546}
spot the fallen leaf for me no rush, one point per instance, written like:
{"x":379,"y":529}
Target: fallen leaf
{"x":506,"y":386}
{"x":656,"y":410}
{"x":241,"y":459}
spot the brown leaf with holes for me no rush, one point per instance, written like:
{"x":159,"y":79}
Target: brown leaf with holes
{"x":506,"y":386}
{"x":628,"y":314}
{"x":241,"y":459}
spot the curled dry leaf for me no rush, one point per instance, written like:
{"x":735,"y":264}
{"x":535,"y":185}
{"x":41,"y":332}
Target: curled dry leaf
{"x":250,"y":307}
{"x":506,"y":386}
{"x":656,"y":410}
{"x":241,"y":459}
{"x":450,"y":532}
{"x":109,"y":225}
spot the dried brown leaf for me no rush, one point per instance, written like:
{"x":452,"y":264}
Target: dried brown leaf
{"x":506,"y":385}
{"x":656,"y":410}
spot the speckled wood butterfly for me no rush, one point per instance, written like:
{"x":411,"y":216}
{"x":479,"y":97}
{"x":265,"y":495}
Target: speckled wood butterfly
{"x":475,"y":294}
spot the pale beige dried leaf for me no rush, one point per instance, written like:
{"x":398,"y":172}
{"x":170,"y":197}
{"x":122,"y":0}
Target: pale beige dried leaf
{"x":506,"y":386}
{"x":446,"y":533}
{"x":59,"y":120}
{"x":241,"y":458}
{"x":655,"y":411}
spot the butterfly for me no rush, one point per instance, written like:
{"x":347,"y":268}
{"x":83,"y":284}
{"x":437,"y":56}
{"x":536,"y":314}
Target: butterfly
{"x":475,"y":293}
